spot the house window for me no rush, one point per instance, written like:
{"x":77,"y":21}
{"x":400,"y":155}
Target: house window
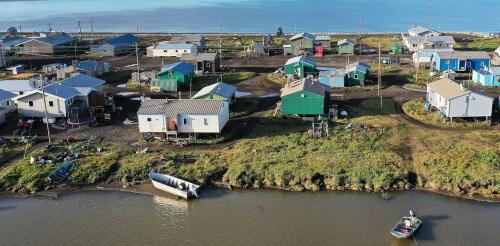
{"x":30,"y":103}
{"x":8,"y":103}
{"x":176,"y":51}
{"x":185,"y":121}
{"x":414,"y":45}
{"x":21,"y":92}
{"x":185,"y":51}
{"x":148,"y":119}
{"x":355,"y":76}
{"x":51,"y":104}
{"x":205,"y":121}
{"x":469,"y":64}
{"x":302,"y":95}
{"x":208,"y":64}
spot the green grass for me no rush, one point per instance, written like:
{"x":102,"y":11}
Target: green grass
{"x":244,"y":106}
{"x":373,"y":42}
{"x":230,"y":78}
{"x":116,"y":77}
{"x":11,"y":148}
{"x":477,"y":43}
{"x":372,"y":106}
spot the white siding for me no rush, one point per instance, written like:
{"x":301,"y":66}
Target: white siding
{"x":156,"y":124}
{"x":435,"y":99}
{"x":224,"y":116}
{"x":471,"y":105}
{"x":196,"y":124}
{"x":5,"y":109}
{"x":59,"y":108}
{"x":173,"y":52}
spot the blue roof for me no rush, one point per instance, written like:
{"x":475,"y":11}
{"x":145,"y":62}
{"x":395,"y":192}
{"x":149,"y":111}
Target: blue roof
{"x":167,"y":45}
{"x":61,"y":91}
{"x":57,"y":39}
{"x":89,"y":65}
{"x":122,"y":40}
{"x":6,"y":95}
{"x":13,"y":41}
{"x":18,"y":85}
{"x":83,"y":80}
{"x":182,"y":67}
{"x":221,"y":89}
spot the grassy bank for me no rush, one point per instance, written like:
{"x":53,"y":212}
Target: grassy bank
{"x":231,"y":78}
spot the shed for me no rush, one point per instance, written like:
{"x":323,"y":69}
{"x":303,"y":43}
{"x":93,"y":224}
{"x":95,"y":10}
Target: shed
{"x":347,"y":46}
{"x":300,"y":67}
{"x":453,"y":100}
{"x":487,"y":77}
{"x":217,"y":91}
{"x":16,"y":69}
{"x":204,"y":62}
{"x":305,"y":97}
{"x":357,"y":73}
{"x":332,"y":77}
{"x":123,"y":44}
{"x":172,"y":76}
{"x":92,"y":67}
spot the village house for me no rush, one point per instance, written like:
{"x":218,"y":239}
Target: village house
{"x":460,"y":61}
{"x":357,"y":73}
{"x":305,"y":97}
{"x":92,"y":67}
{"x":423,"y":58}
{"x":256,"y":49}
{"x":19,"y":87}
{"x":347,"y":46}
{"x":185,"y":116}
{"x":7,"y":105}
{"x":198,"y":40}
{"x":52,"y":68}
{"x":172,"y":76}
{"x":332,"y":77}
{"x":416,"y":43}
{"x":302,"y":43}
{"x":167,"y":49}
{"x":487,"y":77}
{"x":48,"y":44}
{"x":10,"y":43}
{"x":453,"y":100}
{"x":217,"y":91}
{"x":324,"y":41}
{"x":300,"y":67}
{"x":420,"y":31}
{"x":204,"y":62}
{"x":124,"y":44}
{"x":18,"y":69}
{"x":78,"y":92}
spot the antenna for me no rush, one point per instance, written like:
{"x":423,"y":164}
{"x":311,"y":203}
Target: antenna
{"x":50,"y":27}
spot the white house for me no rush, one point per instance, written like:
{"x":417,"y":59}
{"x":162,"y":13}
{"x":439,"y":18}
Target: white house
{"x":16,"y":69}
{"x":171,"y":117}
{"x":167,"y":49}
{"x":6,"y":104}
{"x":416,"y":43}
{"x":453,"y":100}
{"x":420,"y":31}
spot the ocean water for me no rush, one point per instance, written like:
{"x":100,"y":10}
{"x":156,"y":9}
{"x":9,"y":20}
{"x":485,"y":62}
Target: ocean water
{"x":263,"y":16}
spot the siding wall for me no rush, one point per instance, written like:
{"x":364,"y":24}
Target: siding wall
{"x":58,"y":110}
{"x":308,"y":104}
{"x":470,"y":105}
{"x":173,"y":52}
{"x":157,"y":124}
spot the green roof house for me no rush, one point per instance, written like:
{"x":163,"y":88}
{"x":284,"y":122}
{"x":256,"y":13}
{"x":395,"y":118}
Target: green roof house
{"x":172,"y":76}
{"x":347,"y":46}
{"x":302,"y":43}
{"x":357,"y":73}
{"x":300,"y":67}
{"x":217,"y":91}
{"x":305,"y":97}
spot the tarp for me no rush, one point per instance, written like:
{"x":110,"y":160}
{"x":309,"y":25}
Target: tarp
{"x":165,"y":85}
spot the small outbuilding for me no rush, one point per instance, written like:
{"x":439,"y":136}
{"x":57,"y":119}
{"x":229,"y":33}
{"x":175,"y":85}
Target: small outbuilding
{"x":453,"y":100}
{"x":347,"y":46}
{"x":124,"y":44}
{"x":16,"y":69}
{"x":300,"y":67}
{"x":172,"y":76}
{"x":204,"y":62}
{"x":217,"y":91}
{"x":305,"y":97}
{"x":332,"y":77}
{"x":487,"y":77}
{"x":357,"y":73}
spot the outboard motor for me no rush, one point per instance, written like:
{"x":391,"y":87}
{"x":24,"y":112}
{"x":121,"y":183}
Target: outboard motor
{"x":412,"y":214}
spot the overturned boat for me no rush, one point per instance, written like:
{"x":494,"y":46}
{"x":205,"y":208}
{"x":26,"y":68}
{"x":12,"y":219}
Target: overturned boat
{"x":406,"y":226}
{"x":61,"y":172}
{"x":173,"y":185}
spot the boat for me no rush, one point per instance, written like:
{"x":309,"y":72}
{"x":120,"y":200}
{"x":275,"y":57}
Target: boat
{"x":406,"y":226}
{"x":173,"y":185}
{"x":61,"y":172}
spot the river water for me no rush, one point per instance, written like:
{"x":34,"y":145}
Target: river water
{"x":251,"y":217}
{"x":250,"y":15}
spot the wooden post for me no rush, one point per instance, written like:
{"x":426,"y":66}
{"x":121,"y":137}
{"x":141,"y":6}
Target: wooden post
{"x":45,"y":112}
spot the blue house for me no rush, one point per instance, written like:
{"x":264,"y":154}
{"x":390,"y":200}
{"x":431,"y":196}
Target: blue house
{"x":332,"y":77}
{"x":116,"y":46}
{"x":487,"y":77}
{"x":460,"y":61}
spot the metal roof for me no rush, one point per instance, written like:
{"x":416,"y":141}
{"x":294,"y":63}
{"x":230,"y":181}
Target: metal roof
{"x":6,"y":95}
{"x":187,"y":38}
{"x":183,"y":106}
{"x":181,"y":67}
{"x":90,"y":65}
{"x":198,"y":57}
{"x":55,"y":39}
{"x":323,"y":38}
{"x":305,"y":84}
{"x":302,"y":35}
{"x":60,"y":90}
{"x":18,"y":85}
{"x":463,"y":55}
{"x":83,"y":80}
{"x":300,"y":59}
{"x":360,"y":66}
{"x":447,"y":88}
{"x":418,"y":30}
{"x":13,"y":41}
{"x":122,"y":40}
{"x":330,"y":71}
{"x":347,"y":41}
{"x":220,"y":88}
{"x":430,"y":39}
{"x":167,"y":45}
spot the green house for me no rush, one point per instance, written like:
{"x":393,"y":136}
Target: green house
{"x":217,"y":91}
{"x":347,"y":46}
{"x":357,"y":73}
{"x":172,"y":76}
{"x":396,"y":49}
{"x":302,"y":43}
{"x":305,"y":97}
{"x":300,"y":67}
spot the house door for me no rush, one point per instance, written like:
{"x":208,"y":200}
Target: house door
{"x":462,"y":65}
{"x":199,"y":66}
{"x":298,"y":71}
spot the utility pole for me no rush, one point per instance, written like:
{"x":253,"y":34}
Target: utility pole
{"x":138,"y":69}
{"x":45,"y":110}
{"x":50,"y":27}
{"x":379,"y":77}
{"x":220,"y":46}
{"x":20,"y":28}
{"x":417,"y":68}
{"x":91,"y":26}
{"x":79,"y":22}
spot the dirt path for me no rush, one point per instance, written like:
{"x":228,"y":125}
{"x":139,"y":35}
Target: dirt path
{"x":259,"y":86}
